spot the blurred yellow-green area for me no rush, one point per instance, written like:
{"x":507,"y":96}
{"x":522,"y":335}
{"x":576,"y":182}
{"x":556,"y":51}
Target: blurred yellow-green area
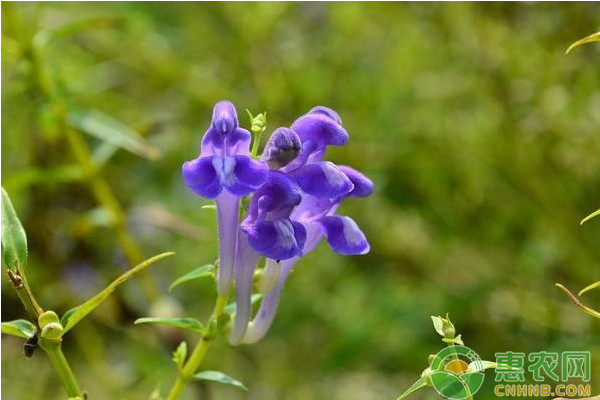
{"x":481,"y":135}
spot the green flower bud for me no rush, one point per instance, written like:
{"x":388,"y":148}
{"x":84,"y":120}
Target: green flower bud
{"x":53,"y":330}
{"x":444,"y":327}
{"x":46,"y":318}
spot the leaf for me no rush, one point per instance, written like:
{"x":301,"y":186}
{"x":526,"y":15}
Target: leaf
{"x":231,"y":307}
{"x":589,"y":287}
{"x":418,"y":385}
{"x":180,"y":354}
{"x":197,"y":273}
{"x":209,"y":207}
{"x":216,"y":376}
{"x":185,"y":323}
{"x":19,"y":327}
{"x":110,"y":130}
{"x":438,"y":324}
{"x":592,"y":215}
{"x":594,"y":37}
{"x":14,"y":240}
{"x":449,"y":385}
{"x":73,"y":316}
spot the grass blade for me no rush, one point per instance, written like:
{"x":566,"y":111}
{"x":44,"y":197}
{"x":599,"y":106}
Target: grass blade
{"x":73,"y":316}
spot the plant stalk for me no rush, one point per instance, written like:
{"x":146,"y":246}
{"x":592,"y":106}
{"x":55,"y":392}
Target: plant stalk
{"x":61,"y":366}
{"x":193,"y":363}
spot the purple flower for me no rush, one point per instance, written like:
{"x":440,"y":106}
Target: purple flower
{"x":295,"y":195}
{"x":224,"y":171}
{"x":323,"y":186}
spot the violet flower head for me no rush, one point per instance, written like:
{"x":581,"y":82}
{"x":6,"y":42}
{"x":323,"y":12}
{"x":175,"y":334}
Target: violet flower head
{"x":294,"y":193}
{"x":225,"y":171}
{"x":323,"y":186}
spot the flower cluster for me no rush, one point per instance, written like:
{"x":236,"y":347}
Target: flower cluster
{"x":294,"y":198}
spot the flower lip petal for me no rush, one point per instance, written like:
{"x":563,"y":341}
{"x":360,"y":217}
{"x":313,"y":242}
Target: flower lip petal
{"x":280,"y":239}
{"x":344,"y":235}
{"x":242,"y":175}
{"x":327,"y":112}
{"x":322,"y":179}
{"x":363,"y":186}
{"x":321,"y":129}
{"x":201,"y":177}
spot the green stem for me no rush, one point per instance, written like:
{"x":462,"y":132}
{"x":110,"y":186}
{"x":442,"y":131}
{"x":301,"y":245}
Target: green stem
{"x":25,"y":294}
{"x":61,"y":366}
{"x":193,"y":363}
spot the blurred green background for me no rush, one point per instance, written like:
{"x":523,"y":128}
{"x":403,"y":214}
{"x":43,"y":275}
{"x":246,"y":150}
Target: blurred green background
{"x":481,"y":136}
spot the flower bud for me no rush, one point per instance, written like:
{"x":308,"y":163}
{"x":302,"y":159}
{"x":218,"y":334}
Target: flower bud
{"x":46,"y":318}
{"x":283,"y":146}
{"x":53,"y":330}
{"x":444,"y":327}
{"x":258,"y":123}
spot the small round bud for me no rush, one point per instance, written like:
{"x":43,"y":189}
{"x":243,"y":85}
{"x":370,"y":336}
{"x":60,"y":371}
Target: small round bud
{"x":283,"y":146}
{"x":53,"y":330}
{"x":46,"y":318}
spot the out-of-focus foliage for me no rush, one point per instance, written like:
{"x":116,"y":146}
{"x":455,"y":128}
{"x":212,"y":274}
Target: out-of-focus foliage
{"x":482,"y":138}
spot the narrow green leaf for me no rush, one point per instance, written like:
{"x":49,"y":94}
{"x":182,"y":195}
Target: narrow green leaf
{"x":592,"y":215}
{"x":185,"y":323}
{"x":110,"y":130}
{"x":19,"y":327}
{"x":419,"y":384}
{"x":180,"y":354}
{"x":594,"y":37}
{"x":589,"y":287}
{"x":209,"y":207}
{"x":73,"y":316}
{"x":216,"y":376}
{"x":231,"y":307}
{"x":14,"y":240}
{"x":201,"y":272}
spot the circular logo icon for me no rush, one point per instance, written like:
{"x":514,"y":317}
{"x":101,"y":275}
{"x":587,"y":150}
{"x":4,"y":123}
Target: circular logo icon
{"x":457,"y":372}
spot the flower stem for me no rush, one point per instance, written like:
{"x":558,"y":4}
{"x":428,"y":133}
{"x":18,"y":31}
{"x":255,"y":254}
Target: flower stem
{"x":193,"y":363}
{"x":61,"y":366}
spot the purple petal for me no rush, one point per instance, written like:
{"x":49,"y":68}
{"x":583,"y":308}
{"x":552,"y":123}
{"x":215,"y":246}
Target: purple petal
{"x":321,"y":129}
{"x":238,"y":142}
{"x":280,"y":239}
{"x":363,"y":186}
{"x":242,"y":175}
{"x":227,"y":221}
{"x":322,"y":179}
{"x":225,"y":137}
{"x":224,"y":118}
{"x":344,"y":235}
{"x":245,"y":264}
{"x":201,"y":177}
{"x":278,"y":192}
{"x":327,"y":112}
